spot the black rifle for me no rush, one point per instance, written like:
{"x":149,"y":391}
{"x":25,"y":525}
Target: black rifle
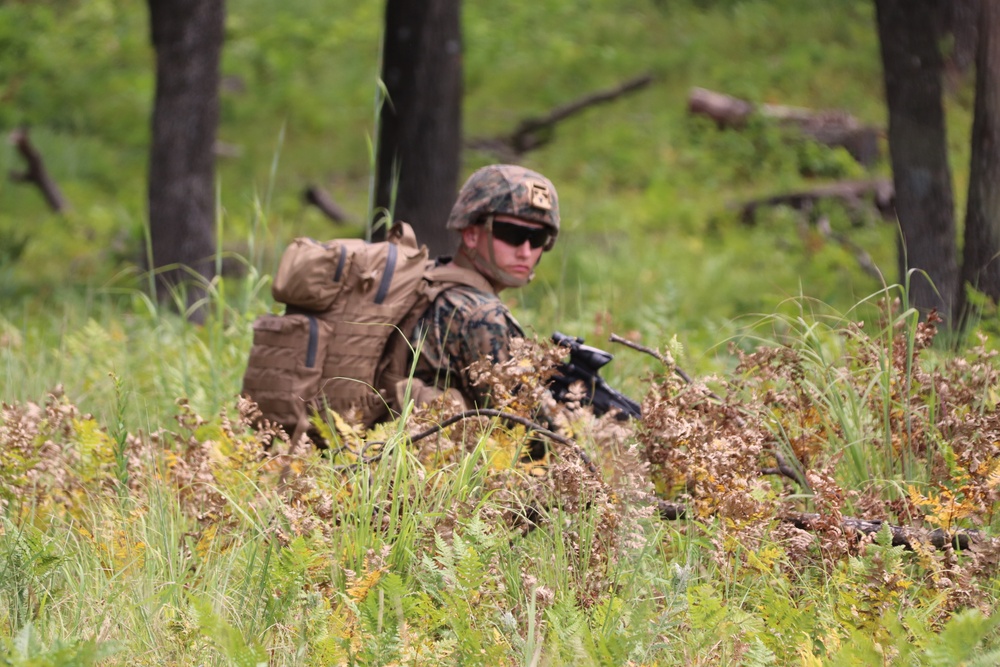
{"x":583,"y":365}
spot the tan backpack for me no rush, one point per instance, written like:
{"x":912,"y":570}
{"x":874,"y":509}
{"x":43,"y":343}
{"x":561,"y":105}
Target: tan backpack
{"x":340,"y":343}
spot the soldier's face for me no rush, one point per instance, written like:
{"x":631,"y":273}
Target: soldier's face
{"x":517,"y":260}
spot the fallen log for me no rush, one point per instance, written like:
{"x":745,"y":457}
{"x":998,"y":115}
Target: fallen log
{"x":855,"y":195}
{"x":725,"y":110}
{"x":322,"y":200}
{"x":829,"y":127}
{"x":902,"y":536}
{"x":533,"y":133}
{"x":36,"y":172}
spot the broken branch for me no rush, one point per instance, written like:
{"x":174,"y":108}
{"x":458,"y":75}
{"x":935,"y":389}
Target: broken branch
{"x":860,"y":254}
{"x":532,"y":133}
{"x":902,"y":536}
{"x":879,"y":193}
{"x":322,"y":200}
{"x":830,"y":127}
{"x":36,"y":172}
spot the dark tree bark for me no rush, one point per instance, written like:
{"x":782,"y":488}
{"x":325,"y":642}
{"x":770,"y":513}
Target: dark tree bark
{"x":187,"y":36}
{"x":981,"y":254}
{"x":421,"y":124}
{"x":963,"y":24}
{"x":908,"y":32}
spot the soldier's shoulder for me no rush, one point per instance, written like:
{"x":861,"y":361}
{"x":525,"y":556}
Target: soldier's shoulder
{"x":469,"y":298}
{"x":468,"y":308}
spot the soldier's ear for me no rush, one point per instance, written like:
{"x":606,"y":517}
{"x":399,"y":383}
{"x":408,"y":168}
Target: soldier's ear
{"x":470,"y":236}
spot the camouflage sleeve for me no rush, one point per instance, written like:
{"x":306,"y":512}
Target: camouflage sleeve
{"x":462,"y":326}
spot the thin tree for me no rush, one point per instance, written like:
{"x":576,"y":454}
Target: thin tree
{"x":187,"y":36}
{"x":981,"y":251}
{"x":419,"y":143}
{"x":962,"y":21}
{"x":909,"y":32}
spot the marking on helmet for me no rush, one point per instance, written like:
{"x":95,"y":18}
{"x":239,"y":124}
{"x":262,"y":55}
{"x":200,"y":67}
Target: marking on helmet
{"x":539,"y":195}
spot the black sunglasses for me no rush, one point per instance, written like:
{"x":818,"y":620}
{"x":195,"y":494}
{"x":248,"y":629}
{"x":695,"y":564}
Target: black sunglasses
{"x":515,"y":235}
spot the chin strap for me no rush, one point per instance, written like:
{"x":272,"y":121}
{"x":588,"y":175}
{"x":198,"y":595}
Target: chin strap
{"x":489,"y":268}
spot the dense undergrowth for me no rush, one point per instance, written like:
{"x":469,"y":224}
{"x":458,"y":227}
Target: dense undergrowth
{"x":206,"y":541}
{"x":143,"y":520}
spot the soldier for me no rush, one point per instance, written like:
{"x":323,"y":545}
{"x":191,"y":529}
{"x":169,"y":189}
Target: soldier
{"x":506,"y":217}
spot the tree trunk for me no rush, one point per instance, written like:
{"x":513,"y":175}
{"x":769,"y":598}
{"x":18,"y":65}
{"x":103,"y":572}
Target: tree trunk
{"x":187,"y":36}
{"x":912,"y":62}
{"x":963,"y":24}
{"x":981,"y":254}
{"x":421,"y":124}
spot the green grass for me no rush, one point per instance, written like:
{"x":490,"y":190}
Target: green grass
{"x":156,"y":533}
{"x":142,"y":523}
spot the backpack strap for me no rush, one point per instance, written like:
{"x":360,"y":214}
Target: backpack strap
{"x":394,"y":366}
{"x":441,"y":277}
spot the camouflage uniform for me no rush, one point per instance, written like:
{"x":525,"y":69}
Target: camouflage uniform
{"x":462,"y":325}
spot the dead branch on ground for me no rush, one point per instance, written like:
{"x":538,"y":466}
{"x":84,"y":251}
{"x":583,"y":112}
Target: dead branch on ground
{"x":855,"y":195}
{"x":533,"y":133}
{"x":902,"y":536}
{"x":36,"y":172}
{"x":322,"y":200}
{"x":830,"y":127}
{"x":864,"y":260}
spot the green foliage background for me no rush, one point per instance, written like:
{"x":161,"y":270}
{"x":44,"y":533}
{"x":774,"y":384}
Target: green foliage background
{"x":652,"y":248}
{"x":647,"y":190}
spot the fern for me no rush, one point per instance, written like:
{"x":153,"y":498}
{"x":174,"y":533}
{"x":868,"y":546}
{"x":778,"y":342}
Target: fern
{"x":234,"y":646}
{"x":567,"y":639}
{"x":26,"y":649}
{"x":959,"y":640}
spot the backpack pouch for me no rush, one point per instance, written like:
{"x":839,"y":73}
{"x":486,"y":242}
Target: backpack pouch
{"x":311,"y":275}
{"x":384,"y":289}
{"x":285,"y":367}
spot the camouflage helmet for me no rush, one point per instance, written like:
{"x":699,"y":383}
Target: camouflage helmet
{"x":508,"y":190}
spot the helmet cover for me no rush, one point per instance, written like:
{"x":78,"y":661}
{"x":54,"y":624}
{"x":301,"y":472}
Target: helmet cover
{"x":504,"y":189}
